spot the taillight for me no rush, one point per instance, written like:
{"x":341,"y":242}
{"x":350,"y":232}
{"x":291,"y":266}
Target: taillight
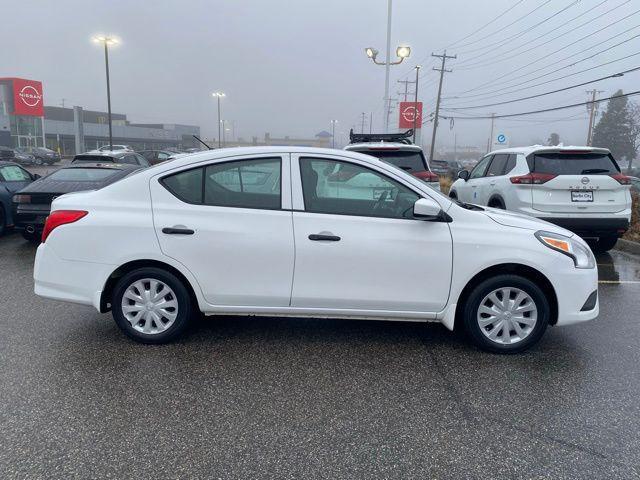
{"x":60,"y":217}
{"x":426,"y":176}
{"x":621,"y":178}
{"x":532,"y":178}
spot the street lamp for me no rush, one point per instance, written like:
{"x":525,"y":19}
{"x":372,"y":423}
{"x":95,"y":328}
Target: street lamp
{"x":402,"y":52}
{"x":107,"y":41}
{"x":219,"y":95}
{"x":333,"y":133}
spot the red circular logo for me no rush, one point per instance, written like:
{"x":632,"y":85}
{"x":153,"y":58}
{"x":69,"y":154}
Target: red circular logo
{"x":30,"y":96}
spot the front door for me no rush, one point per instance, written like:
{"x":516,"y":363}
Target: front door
{"x":472,"y":188}
{"x":358,"y":246}
{"x":230,"y":224}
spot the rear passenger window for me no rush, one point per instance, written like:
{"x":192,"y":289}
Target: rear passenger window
{"x":187,"y":186}
{"x":511,"y":163}
{"x":245,"y":184}
{"x":497,"y":165}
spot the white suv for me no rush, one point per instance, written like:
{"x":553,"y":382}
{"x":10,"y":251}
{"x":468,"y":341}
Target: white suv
{"x":578,"y":188}
{"x":394,"y":148}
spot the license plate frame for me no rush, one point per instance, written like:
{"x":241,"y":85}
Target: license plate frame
{"x":582,"y":196}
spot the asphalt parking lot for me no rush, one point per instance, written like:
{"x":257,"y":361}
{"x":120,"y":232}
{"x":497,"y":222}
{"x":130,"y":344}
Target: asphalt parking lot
{"x":243,"y":397}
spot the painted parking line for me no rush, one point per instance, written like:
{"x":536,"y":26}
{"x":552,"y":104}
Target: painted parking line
{"x":618,"y":281}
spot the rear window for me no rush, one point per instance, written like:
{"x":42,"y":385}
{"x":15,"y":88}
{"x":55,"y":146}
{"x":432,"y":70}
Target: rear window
{"x":573,"y":164}
{"x":82,"y":174}
{"x":93,"y":158}
{"x":406,"y":160}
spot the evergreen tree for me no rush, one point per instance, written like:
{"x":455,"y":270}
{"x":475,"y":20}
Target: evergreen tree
{"x":615,"y":129}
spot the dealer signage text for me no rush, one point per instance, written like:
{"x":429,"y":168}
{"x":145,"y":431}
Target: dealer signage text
{"x":407,"y":115}
{"x":27,"y":97}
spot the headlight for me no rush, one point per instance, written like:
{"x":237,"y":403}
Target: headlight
{"x":581,"y":255}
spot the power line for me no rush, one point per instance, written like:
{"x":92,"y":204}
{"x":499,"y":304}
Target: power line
{"x":494,"y":83}
{"x":520,"y":34}
{"x":619,"y":74}
{"x":502,"y":57}
{"x":512,"y":23}
{"x":487,"y":95}
{"x":564,"y":107}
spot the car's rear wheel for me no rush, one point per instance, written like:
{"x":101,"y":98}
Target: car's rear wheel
{"x":151,"y":305}
{"x":506,"y":314}
{"x":32,"y":237}
{"x":453,"y":195}
{"x":604,"y":244}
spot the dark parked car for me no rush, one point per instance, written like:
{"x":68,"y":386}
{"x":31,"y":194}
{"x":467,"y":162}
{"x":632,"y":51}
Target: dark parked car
{"x":7,"y":154}
{"x":41,"y":155}
{"x":157,"y":156}
{"x":33,"y":203}
{"x":12,"y":178}
{"x":446,"y":168}
{"x":23,"y":158}
{"x":129,"y":158}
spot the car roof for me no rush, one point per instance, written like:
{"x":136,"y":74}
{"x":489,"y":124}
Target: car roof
{"x":4,"y":163}
{"x":383,"y":146}
{"x":528,"y":150}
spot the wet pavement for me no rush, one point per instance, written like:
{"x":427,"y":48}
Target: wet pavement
{"x":243,"y":397}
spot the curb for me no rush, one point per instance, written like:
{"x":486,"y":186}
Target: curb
{"x":628,"y":246}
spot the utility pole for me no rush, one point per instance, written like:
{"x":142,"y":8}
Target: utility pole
{"x":389,"y":108}
{"x":387,"y":67}
{"x":106,"y":64}
{"x":444,"y":58}
{"x":406,"y":88}
{"x":415,"y":105}
{"x":592,"y":107}
{"x":333,"y":133}
{"x":490,"y":139}
{"x":370,"y":121}
{"x":362,"y":124}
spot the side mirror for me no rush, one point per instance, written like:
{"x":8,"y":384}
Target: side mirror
{"x":36,"y":176}
{"x":464,"y":175}
{"x":427,"y":209}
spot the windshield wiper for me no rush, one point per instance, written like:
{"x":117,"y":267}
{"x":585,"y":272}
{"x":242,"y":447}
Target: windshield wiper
{"x":595,"y":170}
{"x":468,"y":206}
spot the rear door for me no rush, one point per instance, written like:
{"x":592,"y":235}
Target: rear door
{"x":577,"y":182}
{"x":230,"y":224}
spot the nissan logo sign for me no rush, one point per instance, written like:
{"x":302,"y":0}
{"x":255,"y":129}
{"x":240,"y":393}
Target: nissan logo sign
{"x":30,"y":96}
{"x":584,"y":180}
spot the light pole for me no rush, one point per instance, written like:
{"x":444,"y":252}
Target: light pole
{"x":333,"y":133}
{"x":402,"y":52}
{"x":106,"y":41}
{"x":415,"y":105}
{"x":219,"y":95}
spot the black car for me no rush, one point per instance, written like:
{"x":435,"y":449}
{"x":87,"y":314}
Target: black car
{"x":157,"y":156}
{"x":41,"y":155}
{"x":33,"y":203}
{"x":12,"y":178}
{"x":128,"y":158}
{"x":7,"y":154}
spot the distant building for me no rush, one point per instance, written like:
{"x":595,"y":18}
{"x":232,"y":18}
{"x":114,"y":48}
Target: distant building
{"x":25,"y":121}
{"x":321,"y":139}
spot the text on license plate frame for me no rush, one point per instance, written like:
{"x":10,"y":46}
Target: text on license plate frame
{"x":582,"y":196}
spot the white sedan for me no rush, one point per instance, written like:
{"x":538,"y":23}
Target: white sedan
{"x":278,"y":231}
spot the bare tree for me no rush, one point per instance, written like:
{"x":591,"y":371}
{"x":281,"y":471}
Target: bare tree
{"x":634,"y":110}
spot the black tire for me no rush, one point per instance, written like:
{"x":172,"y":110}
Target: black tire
{"x":35,"y":238}
{"x":478,"y":294}
{"x":184,"y":305}
{"x":453,"y":195}
{"x":497,"y":203}
{"x":604,"y":244}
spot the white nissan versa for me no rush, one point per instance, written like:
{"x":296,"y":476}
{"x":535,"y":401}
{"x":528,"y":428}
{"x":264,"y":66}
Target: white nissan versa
{"x":277,"y":231}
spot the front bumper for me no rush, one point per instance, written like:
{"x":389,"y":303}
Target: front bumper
{"x":574,"y":288}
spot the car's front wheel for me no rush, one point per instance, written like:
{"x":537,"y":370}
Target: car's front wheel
{"x":604,"y":244}
{"x":151,"y":305}
{"x":506,"y":314}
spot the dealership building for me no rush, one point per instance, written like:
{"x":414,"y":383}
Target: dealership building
{"x":25,"y":121}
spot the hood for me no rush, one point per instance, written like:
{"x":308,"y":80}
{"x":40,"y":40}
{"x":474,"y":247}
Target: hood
{"x":518,"y":220}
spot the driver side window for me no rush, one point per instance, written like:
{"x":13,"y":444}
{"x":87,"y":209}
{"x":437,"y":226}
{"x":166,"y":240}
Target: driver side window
{"x":481,"y":168}
{"x":343,"y":188}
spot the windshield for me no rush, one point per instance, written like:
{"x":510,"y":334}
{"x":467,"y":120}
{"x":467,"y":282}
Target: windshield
{"x":82,"y":174}
{"x":409,"y":161}
{"x":573,"y":164}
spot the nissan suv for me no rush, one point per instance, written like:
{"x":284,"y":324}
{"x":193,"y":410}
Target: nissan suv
{"x":579,"y":188}
{"x":396,"y":149}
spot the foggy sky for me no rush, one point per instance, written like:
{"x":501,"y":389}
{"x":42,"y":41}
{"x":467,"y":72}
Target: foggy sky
{"x":289,"y":67}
